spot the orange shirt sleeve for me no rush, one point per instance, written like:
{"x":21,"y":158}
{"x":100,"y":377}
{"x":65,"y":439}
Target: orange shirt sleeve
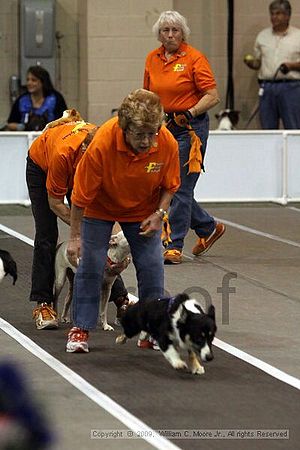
{"x":37,"y":152}
{"x":64,"y":153}
{"x":59,"y":176}
{"x":57,"y":152}
{"x":88,"y":177}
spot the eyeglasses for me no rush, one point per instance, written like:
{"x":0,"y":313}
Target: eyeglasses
{"x":141,"y":136}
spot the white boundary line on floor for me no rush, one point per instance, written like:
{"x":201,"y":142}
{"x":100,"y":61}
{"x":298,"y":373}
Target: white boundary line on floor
{"x":259,"y":233}
{"x":87,"y":389}
{"x":265,"y":367}
{"x":294,"y":208}
{"x":17,"y":235}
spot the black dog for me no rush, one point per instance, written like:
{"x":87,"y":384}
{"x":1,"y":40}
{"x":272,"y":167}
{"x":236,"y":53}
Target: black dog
{"x":175,"y":323}
{"x":7,"y":266}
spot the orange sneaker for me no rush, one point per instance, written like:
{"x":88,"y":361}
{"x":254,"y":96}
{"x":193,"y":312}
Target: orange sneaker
{"x":45,"y":317}
{"x":204,"y":244}
{"x":173,"y":256}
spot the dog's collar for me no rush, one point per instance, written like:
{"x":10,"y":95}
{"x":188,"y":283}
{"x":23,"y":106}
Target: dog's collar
{"x":115,"y":267}
{"x":170,"y":301}
{"x":109,"y":261}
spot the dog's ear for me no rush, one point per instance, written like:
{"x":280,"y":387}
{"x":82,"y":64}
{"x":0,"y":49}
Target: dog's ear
{"x":211,"y":312}
{"x":234,"y":117}
{"x":180,"y":298}
{"x":183,"y":314}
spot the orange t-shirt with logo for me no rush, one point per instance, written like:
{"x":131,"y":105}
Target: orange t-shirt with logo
{"x":112,"y":183}
{"x":181,"y":81}
{"x":57,"y":152}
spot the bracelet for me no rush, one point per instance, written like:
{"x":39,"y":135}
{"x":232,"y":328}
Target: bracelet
{"x":161,"y":213}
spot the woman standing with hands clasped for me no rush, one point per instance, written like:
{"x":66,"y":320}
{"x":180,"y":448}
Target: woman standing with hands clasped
{"x":183,"y":79}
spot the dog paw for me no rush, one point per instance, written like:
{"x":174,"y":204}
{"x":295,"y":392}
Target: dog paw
{"x":178,"y":365}
{"x":121,"y":339}
{"x":107,"y":327}
{"x":198,"y":370}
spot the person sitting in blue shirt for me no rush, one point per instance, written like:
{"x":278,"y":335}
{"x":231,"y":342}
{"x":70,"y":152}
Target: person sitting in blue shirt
{"x":40,"y":104}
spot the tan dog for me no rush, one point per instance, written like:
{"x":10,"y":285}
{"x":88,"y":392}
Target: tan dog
{"x":69,"y":115}
{"x":118,"y":260}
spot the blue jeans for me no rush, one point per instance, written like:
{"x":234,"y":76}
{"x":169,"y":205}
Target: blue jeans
{"x":185,"y":212}
{"x":146,"y":257}
{"x":280,"y":101}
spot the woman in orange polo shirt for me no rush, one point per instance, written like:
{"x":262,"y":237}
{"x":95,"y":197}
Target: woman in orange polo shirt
{"x":128,"y":174}
{"x":50,"y":168}
{"x":183,"y":79}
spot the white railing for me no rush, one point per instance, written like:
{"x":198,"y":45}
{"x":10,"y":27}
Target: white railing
{"x":240,"y":166}
{"x":251,"y":166}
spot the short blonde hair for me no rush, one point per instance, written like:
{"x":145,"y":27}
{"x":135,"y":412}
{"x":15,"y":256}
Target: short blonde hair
{"x":171,"y":18}
{"x":141,"y":108}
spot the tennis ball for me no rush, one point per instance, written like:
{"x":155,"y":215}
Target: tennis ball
{"x":248,"y":57}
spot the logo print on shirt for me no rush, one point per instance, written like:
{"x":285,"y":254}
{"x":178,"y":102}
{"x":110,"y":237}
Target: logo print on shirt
{"x":153,"y":167}
{"x":80,"y":126}
{"x":179,"y":67}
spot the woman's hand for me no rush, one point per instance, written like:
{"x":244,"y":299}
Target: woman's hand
{"x":117,"y":268}
{"x":73,"y":251}
{"x":150,"y":225}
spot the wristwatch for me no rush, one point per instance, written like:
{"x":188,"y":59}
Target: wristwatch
{"x":161,"y":213}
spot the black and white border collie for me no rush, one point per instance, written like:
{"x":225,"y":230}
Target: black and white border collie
{"x":7,"y":266}
{"x":175,"y":323}
{"x":228,"y":119}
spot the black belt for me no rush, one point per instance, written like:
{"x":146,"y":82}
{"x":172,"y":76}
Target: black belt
{"x":282,"y":80}
{"x":170,"y":115}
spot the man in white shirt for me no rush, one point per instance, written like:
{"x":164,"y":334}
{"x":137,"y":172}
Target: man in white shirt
{"x":277,"y":59}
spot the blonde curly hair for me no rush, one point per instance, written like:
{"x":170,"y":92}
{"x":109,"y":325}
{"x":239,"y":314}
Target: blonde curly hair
{"x":141,"y":108}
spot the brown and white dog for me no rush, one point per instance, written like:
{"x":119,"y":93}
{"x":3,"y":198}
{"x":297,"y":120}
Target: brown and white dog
{"x":117,"y":260}
{"x":69,"y":115}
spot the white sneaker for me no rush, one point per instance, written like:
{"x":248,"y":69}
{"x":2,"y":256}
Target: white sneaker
{"x":155,"y":345}
{"x":77,"y":341}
